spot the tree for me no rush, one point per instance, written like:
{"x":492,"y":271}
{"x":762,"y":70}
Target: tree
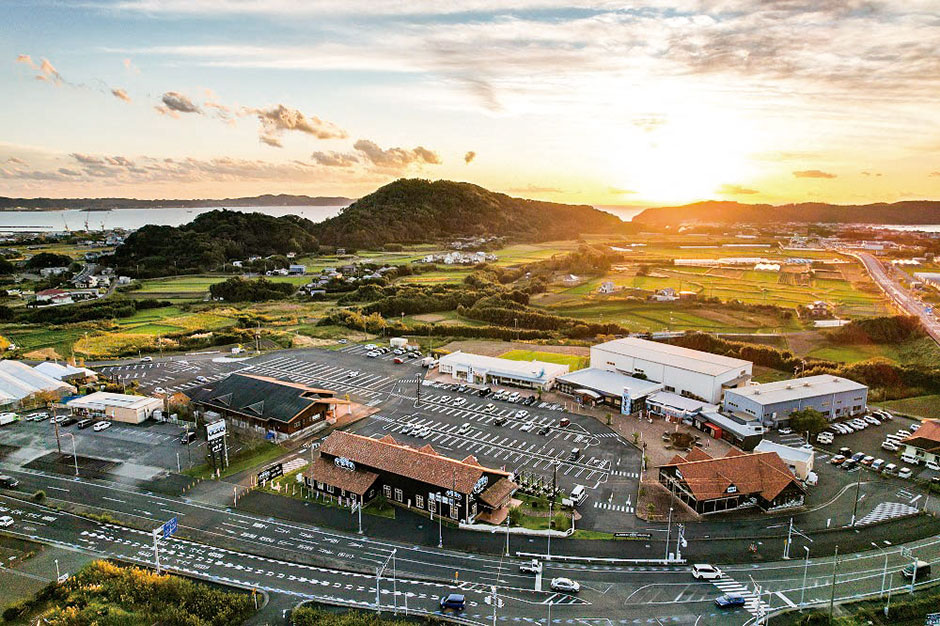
{"x":48,"y":259}
{"x":808,"y":420}
{"x":6,"y":268}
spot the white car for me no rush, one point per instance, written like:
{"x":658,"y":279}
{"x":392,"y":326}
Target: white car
{"x":932,"y":465}
{"x":704,"y":571}
{"x":343,"y":341}
{"x":147,"y":359}
{"x":201,"y":379}
{"x":406,"y":429}
{"x":565,"y":584}
{"x":159,"y":390}
{"x":785,"y":431}
{"x":527,"y":427}
{"x":460,"y":401}
{"x":352,"y":374}
{"x":101,"y":426}
{"x":444,"y":399}
{"x":489,"y":408}
{"x":905,"y":472}
{"x":371,"y":346}
{"x":872,"y":420}
{"x":6,"y":521}
{"x":521,"y":413}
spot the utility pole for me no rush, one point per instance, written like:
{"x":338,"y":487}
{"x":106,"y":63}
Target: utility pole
{"x":378,"y":580}
{"x":668,"y":535}
{"x":832,"y":592}
{"x":55,"y":424}
{"x":884,"y":572}
{"x":858,"y":486}
{"x":74,"y":454}
{"x":548,"y":555}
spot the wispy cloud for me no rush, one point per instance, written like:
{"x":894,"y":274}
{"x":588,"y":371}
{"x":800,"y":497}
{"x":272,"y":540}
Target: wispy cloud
{"x":175,"y":101}
{"x":335,"y":159}
{"x":45,"y":71}
{"x":735,"y":190}
{"x":469,"y":156}
{"x":813,"y":174}
{"x":120,"y":94}
{"x":395,"y":158}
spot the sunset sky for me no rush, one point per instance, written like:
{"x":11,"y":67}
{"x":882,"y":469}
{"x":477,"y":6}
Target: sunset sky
{"x":602,"y":102}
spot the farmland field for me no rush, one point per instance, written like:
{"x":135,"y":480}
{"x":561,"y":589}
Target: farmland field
{"x":573,"y":362}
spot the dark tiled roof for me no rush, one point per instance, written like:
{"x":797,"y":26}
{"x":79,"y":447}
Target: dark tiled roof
{"x":260,"y":396}
{"x":761,"y":474}
{"x":498,"y":493}
{"x":356,"y":481}
{"x":387,"y":455}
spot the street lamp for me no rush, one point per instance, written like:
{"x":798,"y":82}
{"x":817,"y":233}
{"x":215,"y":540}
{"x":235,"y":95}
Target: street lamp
{"x":668,"y":535}
{"x":805,"y":570}
{"x":884,"y":573}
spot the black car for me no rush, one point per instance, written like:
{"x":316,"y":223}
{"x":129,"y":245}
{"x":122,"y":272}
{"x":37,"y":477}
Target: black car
{"x":499,"y":421}
{"x":187,"y":437}
{"x":85,"y":423}
{"x":8,"y":482}
{"x":68,"y":421}
{"x":849,"y":464}
{"x":485,"y":392}
{"x":544,"y":430}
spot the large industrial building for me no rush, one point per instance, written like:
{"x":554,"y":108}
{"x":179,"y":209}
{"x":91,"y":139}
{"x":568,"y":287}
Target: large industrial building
{"x":772,"y":403}
{"x":682,"y":371}
{"x":482,"y":370}
{"x":22,"y":386}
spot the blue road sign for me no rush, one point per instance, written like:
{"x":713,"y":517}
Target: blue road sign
{"x":169,"y":528}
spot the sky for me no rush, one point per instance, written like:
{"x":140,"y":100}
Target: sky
{"x":606,"y":102}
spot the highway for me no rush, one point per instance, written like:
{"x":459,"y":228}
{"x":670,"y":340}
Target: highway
{"x":225,"y":545}
{"x":901,"y":297}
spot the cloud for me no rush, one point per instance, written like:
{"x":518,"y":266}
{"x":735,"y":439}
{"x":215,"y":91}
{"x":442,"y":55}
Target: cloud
{"x":467,"y":158}
{"x":335,"y":159}
{"x":875,"y":174}
{"x":649,"y":123}
{"x":120,"y":94}
{"x":395,"y":158}
{"x":130,"y":67}
{"x":274,"y":142}
{"x":620,"y":191}
{"x":16,"y":161}
{"x":279,"y":119}
{"x":177,"y":102}
{"x":45,"y":70}
{"x":735,"y":190}
{"x":813,"y":174}
{"x":934,"y":174}
{"x":535,"y":189}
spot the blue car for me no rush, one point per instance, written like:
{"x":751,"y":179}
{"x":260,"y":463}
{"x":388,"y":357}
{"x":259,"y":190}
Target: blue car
{"x":454,"y":602}
{"x":729,"y":601}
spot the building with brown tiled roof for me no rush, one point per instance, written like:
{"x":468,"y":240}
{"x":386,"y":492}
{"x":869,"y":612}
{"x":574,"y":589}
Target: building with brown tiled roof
{"x":353,"y":468}
{"x":924,"y":443}
{"x":735,"y":481}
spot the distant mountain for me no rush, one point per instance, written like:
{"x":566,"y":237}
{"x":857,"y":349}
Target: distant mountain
{"x":712,"y":211}
{"x":100,"y":204}
{"x":424,"y":211}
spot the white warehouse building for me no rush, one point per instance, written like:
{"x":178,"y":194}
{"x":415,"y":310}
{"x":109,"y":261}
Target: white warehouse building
{"x":772,"y":403}
{"x":690,"y":373}
{"x":481,"y":370}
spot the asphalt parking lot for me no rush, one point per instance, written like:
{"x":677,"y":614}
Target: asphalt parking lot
{"x":534,"y":445}
{"x":173,"y":374}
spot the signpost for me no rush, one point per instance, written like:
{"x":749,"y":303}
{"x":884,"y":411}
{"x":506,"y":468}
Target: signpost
{"x":270,"y":473}
{"x":216,"y":444}
{"x":164,"y":531}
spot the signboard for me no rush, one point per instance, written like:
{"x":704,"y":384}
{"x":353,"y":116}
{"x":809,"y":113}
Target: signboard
{"x":270,"y":472}
{"x":167,"y":529}
{"x":481,"y":485}
{"x":215,"y":430}
{"x":633,"y":535}
{"x":933,"y":619}
{"x":344,"y":463}
{"x":216,"y":446}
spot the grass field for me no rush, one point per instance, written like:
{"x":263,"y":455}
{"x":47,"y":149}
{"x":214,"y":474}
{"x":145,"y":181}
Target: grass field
{"x":918,"y":406}
{"x":573,"y":362}
{"x":438,"y":276}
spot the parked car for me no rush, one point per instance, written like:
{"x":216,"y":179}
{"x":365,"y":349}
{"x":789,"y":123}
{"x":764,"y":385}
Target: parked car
{"x":565,"y":584}
{"x":705,"y":571}
{"x":102,"y":425}
{"x":521,"y":413}
{"x":85,"y":423}
{"x":500,"y":421}
{"x":564,"y":422}
{"x":575,"y":454}
{"x":459,"y":401}
{"x":453,"y":602}
{"x":464,"y":428}
{"x":858,"y":456}
{"x":146,"y":359}
{"x":872,"y":420}
{"x":838,"y":459}
{"x":932,"y":465}
{"x":730,"y":601}
{"x":6,"y":521}
{"x":527,"y":427}
{"x":849,"y":464}
{"x":444,"y":399}
{"x":399,"y":360}
{"x":920,"y":569}
{"x":890,"y":469}
{"x":544,"y":430}
{"x":187,"y":437}
{"x":905,"y":472}
{"x":890,"y":447}
{"x":68,"y":421}
{"x":8,"y":482}
{"x":489,"y":408}
{"x":910,"y":459}
{"x":352,"y":374}
{"x":824,"y":438}
{"x":877,"y":465}
{"x":201,"y":379}
{"x":785,"y":431}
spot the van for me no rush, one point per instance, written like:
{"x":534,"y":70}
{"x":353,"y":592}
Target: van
{"x":910,"y":459}
{"x":85,"y":423}
{"x":890,"y":469}
{"x":575,"y":454}
{"x":513,"y":396}
{"x":578,"y":494}
{"x":824,"y":438}
{"x":919,"y":570}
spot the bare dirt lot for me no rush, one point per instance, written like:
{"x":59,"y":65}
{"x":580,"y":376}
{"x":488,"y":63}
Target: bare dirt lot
{"x":496,"y":348}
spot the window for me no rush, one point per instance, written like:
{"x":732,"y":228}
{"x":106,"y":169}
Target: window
{"x":453,"y":511}
{"x":329,"y":488}
{"x":398,"y":495}
{"x":319,"y":485}
{"x":432,"y":505}
{"x":387,"y":491}
{"x":419,"y":502}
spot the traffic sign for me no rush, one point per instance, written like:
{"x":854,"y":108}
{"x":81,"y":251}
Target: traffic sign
{"x":167,"y":529}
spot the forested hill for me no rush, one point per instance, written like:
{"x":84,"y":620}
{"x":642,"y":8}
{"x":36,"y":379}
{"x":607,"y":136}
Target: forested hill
{"x":908,"y":212}
{"x":99,"y":204}
{"x":422,"y":211}
{"x":210,"y":240}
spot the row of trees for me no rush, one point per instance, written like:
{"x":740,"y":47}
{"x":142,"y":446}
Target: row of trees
{"x":239,"y":289}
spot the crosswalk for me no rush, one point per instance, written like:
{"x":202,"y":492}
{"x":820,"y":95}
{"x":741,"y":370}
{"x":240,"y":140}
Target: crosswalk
{"x":886,"y":511}
{"x":608,"y":506}
{"x":752,"y":604}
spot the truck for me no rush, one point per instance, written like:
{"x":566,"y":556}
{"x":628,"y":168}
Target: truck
{"x":8,"y":418}
{"x":426,"y":361}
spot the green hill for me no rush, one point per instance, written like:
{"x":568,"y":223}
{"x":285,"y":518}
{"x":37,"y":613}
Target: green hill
{"x":422,"y":211}
{"x":720,"y":212}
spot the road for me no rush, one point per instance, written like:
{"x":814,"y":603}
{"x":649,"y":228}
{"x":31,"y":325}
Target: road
{"x":901,"y":297}
{"x":309,"y":562}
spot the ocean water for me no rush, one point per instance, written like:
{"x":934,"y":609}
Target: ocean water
{"x":74,"y":219}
